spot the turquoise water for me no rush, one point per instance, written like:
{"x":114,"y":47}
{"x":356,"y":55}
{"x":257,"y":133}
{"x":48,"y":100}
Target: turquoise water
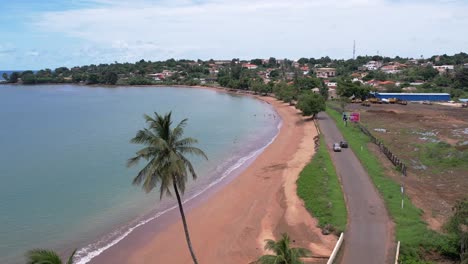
{"x":63,"y":150}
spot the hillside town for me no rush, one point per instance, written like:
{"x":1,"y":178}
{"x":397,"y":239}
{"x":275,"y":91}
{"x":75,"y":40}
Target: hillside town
{"x":349,"y":78}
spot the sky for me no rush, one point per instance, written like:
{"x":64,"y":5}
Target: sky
{"x":37,"y":34}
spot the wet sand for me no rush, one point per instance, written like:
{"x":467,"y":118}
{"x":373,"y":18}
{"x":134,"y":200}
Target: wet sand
{"x":230,"y":223}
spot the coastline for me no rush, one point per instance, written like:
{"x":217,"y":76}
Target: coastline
{"x":230,"y":222}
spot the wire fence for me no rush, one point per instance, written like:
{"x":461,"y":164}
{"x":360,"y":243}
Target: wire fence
{"x":387,"y":152}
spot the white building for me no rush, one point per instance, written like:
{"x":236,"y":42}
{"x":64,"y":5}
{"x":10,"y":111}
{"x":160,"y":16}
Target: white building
{"x":373,"y":65}
{"x":444,"y":68}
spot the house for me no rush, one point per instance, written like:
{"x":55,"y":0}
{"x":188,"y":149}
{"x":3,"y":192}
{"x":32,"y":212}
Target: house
{"x":305,"y":70}
{"x":465,"y":65}
{"x":156,"y":76}
{"x":409,"y":89}
{"x":442,"y":69}
{"x":325,"y":72}
{"x":316,"y":90}
{"x":372,"y":65}
{"x":249,"y":66}
{"x":214,"y":71}
{"x":416,"y":83}
{"x":168,"y":73}
{"x":391,"y":69}
{"x":222,"y":62}
{"x":413,"y":61}
{"x":296,"y":64}
{"x":332,"y":85}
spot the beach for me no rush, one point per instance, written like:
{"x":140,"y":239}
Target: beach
{"x":230,"y":223}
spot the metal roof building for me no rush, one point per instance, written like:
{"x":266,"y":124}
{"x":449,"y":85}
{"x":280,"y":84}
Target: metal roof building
{"x":415,"y":96}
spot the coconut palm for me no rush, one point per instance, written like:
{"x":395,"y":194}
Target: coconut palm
{"x":284,"y":254}
{"x":168,"y":167}
{"x":44,"y":256}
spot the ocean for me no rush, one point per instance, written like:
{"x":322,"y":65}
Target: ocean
{"x":64,"y":149}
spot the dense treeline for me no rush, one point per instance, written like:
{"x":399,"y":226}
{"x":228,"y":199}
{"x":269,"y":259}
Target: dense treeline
{"x":267,"y":75}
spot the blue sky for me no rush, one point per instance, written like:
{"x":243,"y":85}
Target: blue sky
{"x":53,"y":33}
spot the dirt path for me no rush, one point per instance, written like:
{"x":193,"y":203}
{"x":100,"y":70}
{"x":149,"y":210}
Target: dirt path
{"x":369,"y":235}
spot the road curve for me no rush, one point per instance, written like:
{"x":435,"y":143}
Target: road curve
{"x":368,"y":236}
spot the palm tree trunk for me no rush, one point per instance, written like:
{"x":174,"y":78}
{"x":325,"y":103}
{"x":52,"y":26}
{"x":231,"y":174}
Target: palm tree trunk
{"x":181,"y":209}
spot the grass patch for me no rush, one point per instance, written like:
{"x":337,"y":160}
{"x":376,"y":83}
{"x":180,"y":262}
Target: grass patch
{"x":411,"y":230}
{"x":443,"y":155}
{"x":319,"y":187}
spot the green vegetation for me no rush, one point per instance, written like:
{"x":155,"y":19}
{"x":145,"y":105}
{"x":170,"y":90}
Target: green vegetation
{"x":43,"y":256}
{"x":411,"y":230}
{"x":347,"y":88}
{"x":311,"y":103}
{"x":284,"y":253}
{"x":443,"y":155}
{"x":167,"y":167}
{"x":261,"y":75}
{"x":458,"y":225}
{"x":319,"y":187}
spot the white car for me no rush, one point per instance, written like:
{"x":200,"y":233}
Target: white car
{"x":336,"y":147}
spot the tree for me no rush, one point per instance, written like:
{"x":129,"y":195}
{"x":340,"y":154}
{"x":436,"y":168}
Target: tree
{"x":43,"y":256}
{"x":5,"y":76}
{"x":92,"y":79}
{"x":258,"y":62}
{"x":272,"y":62}
{"x":324,"y":91}
{"x":13,"y":77}
{"x":307,"y":83}
{"x":28,"y":78}
{"x":284,"y":254}
{"x":461,"y":79}
{"x":311,"y":103}
{"x":285,"y":92}
{"x":347,"y":88}
{"x":111,"y":78}
{"x":165,"y":150}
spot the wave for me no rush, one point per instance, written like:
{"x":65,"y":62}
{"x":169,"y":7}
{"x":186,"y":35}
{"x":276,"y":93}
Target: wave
{"x":91,"y":251}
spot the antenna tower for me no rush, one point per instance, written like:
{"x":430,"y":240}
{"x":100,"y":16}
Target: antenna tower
{"x":354,"y":49}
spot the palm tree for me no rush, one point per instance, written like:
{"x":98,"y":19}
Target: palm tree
{"x":167,"y":166}
{"x":44,"y":256}
{"x":284,"y":254}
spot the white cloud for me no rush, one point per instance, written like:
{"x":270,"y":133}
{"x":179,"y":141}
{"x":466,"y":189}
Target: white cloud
{"x":256,"y":28}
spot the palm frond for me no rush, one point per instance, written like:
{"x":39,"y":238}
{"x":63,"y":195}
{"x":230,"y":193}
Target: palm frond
{"x":149,"y":171}
{"x":267,"y":259}
{"x":179,"y":130}
{"x":301,"y":252}
{"x":192,"y":150}
{"x":186,"y":142}
{"x":42,"y":256}
{"x":70,"y":259}
{"x":144,"y":136}
{"x":284,"y":254}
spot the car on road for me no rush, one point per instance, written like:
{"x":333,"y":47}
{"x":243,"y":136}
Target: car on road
{"x":336,"y":147}
{"x":343,"y":144}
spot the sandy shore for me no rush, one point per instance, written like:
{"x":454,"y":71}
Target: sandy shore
{"x":230,"y":225}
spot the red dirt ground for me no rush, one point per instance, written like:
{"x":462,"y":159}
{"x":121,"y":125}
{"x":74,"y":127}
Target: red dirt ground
{"x":408,"y":129}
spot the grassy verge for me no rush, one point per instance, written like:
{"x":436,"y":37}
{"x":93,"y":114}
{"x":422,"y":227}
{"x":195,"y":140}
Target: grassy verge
{"x":411,"y":230}
{"x":319,"y":187}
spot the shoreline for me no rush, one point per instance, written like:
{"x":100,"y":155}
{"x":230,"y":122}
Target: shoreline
{"x":231,"y":221}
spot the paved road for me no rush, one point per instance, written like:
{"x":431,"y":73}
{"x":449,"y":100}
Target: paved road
{"x":368,"y":236}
